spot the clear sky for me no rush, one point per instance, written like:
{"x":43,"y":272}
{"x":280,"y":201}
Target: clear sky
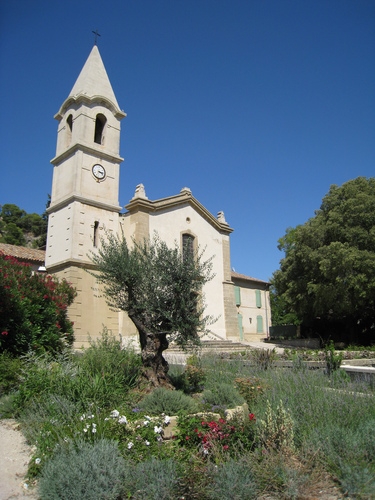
{"x":257,"y":106}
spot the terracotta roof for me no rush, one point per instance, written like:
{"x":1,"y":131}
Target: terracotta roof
{"x":247,"y":278}
{"x":23,"y":253}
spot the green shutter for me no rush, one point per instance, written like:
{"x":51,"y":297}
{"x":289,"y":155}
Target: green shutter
{"x":258,"y":298}
{"x":259,"y":324}
{"x":240,"y":327}
{"x":237,"y":295}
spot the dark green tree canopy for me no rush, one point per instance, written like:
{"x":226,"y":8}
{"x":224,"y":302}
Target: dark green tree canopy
{"x":328,"y":272}
{"x":17,"y":227}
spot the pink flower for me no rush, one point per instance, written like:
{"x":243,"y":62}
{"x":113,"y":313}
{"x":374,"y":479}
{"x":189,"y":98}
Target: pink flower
{"x":4,"y":333}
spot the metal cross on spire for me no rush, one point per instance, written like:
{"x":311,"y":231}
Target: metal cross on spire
{"x":96,"y":33}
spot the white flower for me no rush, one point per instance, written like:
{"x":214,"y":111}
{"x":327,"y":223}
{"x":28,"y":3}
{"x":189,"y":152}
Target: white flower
{"x":114,"y":414}
{"x":122,"y":420}
{"x":82,"y":417}
{"x":93,"y":430}
{"x":159,"y":438}
{"x":167,"y":420}
{"x":157,"y":429}
{"x":130,"y":445}
{"x":38,"y":460}
{"x":146,"y":422}
{"x":148,"y":418}
{"x":84,"y":430}
{"x":94,"y":425}
{"x":147,"y":443}
{"x":106,"y":418}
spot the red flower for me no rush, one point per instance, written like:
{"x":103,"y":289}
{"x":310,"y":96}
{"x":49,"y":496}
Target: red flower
{"x":4,"y":332}
{"x":252,"y":416}
{"x":225,"y":447}
{"x":187,"y":437}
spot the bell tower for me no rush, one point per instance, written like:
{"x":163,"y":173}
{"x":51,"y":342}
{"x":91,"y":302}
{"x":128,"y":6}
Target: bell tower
{"x":85,"y":192}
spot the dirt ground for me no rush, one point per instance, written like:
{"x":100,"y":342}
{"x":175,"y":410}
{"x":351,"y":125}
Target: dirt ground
{"x":14,"y":458}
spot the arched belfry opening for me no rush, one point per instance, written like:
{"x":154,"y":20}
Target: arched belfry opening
{"x":100,"y":122}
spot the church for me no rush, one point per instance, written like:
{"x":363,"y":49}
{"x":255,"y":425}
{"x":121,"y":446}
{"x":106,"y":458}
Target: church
{"x":85,"y":206}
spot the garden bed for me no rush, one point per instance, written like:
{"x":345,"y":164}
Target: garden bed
{"x":86,"y":413}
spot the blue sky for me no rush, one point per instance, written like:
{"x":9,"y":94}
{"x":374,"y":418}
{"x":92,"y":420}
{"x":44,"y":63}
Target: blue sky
{"x":257,"y":106}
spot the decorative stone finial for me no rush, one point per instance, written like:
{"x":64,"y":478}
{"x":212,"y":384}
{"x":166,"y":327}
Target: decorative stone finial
{"x":140,"y":192}
{"x":185,"y":190}
{"x":221,"y":217}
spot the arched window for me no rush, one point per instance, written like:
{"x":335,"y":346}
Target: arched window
{"x":69,"y":129}
{"x":100,"y":122}
{"x":187,"y":246}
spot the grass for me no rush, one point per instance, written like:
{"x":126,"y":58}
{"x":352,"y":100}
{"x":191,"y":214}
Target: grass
{"x":305,"y":426}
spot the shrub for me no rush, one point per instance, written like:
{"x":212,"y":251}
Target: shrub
{"x":153,"y":480}
{"x":84,"y":472}
{"x":264,"y":358}
{"x":106,"y":371}
{"x":276,"y":431}
{"x":43,"y":374}
{"x":333,"y":359}
{"x":33,"y":309}
{"x":215,"y":438}
{"x":232,"y":479}
{"x":170,"y":402}
{"x":225,"y":395}
{"x":195,"y":377}
{"x":250,"y":388}
{"x":10,"y":368}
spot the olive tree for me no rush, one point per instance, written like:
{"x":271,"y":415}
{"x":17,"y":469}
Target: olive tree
{"x":160,"y":288}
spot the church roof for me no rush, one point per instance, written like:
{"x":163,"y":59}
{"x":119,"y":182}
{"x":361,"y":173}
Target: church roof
{"x":93,"y":79}
{"x":23,"y":253}
{"x":240,"y":276}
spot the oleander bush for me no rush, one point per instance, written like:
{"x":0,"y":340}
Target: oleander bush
{"x":33,"y":310}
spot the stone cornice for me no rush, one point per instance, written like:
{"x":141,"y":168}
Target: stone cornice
{"x":184,"y":198}
{"x":85,"y":201}
{"x":86,"y":149}
{"x":85,"y":99}
{"x":71,"y":263}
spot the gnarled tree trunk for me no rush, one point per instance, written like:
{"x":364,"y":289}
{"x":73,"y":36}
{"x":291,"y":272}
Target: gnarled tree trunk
{"x":155,"y":367}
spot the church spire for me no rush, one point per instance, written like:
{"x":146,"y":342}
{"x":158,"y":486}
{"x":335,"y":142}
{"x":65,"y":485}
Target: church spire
{"x":93,"y":80}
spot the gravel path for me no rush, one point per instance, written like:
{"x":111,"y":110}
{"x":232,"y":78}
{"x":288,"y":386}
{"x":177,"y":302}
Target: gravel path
{"x":14,"y":458}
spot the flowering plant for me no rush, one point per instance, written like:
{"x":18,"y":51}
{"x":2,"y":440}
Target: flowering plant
{"x":216,"y":436}
{"x":33,"y":309}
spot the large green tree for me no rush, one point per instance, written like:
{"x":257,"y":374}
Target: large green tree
{"x":326,"y":280}
{"x":160,"y":288}
{"x":17,"y":227}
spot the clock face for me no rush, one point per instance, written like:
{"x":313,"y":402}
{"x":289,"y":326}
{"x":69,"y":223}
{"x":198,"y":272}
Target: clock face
{"x":98,"y":171}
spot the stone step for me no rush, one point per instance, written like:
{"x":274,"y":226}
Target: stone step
{"x":215,"y":345}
